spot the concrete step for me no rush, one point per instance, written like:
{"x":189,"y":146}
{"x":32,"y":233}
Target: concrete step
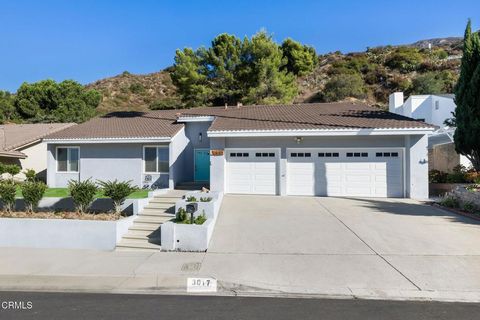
{"x":146,"y":238}
{"x":159,"y":205}
{"x":140,"y":233}
{"x":165,"y":199}
{"x":152,"y":219}
{"x":156,"y":210}
{"x":136,"y":249}
{"x":138,"y":244}
{"x":152,"y":213}
{"x":144,"y":226}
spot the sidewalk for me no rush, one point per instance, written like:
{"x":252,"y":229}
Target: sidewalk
{"x":167,"y":273}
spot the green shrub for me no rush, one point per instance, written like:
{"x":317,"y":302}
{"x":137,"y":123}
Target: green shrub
{"x":192,"y":199}
{"x":137,"y":88}
{"x":83,"y":194}
{"x":205,"y":199}
{"x":456,"y":177}
{"x":165,"y":104}
{"x":469,"y":207}
{"x":7,"y":194}
{"x":117,"y":191}
{"x":449,"y":202}
{"x":32,"y":194}
{"x":404,"y":59}
{"x":200,"y":219}
{"x":428,"y":83}
{"x":437,"y":176}
{"x":30,"y":175}
{"x":181,"y":215}
{"x":344,"y":86}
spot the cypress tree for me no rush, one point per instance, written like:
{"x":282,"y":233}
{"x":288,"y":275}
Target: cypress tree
{"x":467,"y":99}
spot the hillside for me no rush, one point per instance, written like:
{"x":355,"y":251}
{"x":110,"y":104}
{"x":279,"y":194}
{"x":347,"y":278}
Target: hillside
{"x":130,"y":92}
{"x":382,"y":69}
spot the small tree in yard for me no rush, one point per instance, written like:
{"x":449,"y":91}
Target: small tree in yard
{"x":83,"y":194}
{"x":32,"y":194}
{"x":30,"y":175}
{"x":467,"y":97}
{"x":117,"y":191}
{"x":7,"y":193}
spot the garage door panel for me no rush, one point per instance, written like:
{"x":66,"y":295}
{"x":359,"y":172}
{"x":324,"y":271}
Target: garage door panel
{"x":253,"y":173}
{"x":362,"y":173}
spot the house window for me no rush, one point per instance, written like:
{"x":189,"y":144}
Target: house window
{"x":387,"y":154}
{"x":67,"y":159}
{"x":301,"y":154}
{"x":437,"y":105}
{"x":156,"y":159}
{"x":328,"y":154}
{"x":264,"y":154}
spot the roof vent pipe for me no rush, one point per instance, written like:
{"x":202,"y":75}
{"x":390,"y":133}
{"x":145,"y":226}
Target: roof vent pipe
{"x":226,"y":106}
{"x":239,"y":104}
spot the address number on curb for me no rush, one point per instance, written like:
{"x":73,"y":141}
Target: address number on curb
{"x":201,"y":285}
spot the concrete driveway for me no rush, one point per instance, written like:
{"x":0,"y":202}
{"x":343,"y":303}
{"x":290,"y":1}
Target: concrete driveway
{"x":396,"y":247}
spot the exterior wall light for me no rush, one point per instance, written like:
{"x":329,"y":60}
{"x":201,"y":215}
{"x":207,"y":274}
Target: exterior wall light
{"x":200,"y":137}
{"x":299,"y":140}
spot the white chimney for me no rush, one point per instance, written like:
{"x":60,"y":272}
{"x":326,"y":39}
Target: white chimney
{"x":395,"y":101}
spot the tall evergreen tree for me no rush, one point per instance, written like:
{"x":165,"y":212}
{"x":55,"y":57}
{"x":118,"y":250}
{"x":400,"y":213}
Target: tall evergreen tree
{"x":301,"y":59}
{"x":230,"y":71}
{"x":467,"y":99}
{"x":268,"y":82}
{"x":223,"y":60}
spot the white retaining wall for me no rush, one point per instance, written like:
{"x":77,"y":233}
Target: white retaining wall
{"x":62,"y":233}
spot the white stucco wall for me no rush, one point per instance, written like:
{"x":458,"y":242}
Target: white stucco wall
{"x":63,"y":233}
{"x":178,"y":158}
{"x":433,"y":108}
{"x":103,"y":161}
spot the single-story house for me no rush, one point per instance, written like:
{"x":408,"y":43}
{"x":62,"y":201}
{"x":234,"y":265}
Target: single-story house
{"x":21,"y":144}
{"x":324,"y":149}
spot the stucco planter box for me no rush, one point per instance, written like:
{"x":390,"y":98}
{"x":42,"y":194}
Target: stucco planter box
{"x":192,"y":237}
{"x":187,"y":237}
{"x":62,"y":233}
{"x":440,"y":189}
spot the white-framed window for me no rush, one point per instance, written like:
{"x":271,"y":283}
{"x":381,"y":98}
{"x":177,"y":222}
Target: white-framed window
{"x":68,"y":159}
{"x":155,"y":159}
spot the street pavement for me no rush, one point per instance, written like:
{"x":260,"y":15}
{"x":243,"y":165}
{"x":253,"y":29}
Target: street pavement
{"x":72,"y":306}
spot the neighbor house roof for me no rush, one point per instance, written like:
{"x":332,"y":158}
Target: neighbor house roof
{"x":313,"y":116}
{"x":154,"y":124}
{"x":13,"y":137}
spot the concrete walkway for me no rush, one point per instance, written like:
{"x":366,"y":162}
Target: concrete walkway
{"x":382,"y":249}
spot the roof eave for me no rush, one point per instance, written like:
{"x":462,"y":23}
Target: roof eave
{"x":108,"y":140}
{"x":314,"y":132}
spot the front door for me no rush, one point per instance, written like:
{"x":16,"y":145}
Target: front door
{"x":202,"y":165}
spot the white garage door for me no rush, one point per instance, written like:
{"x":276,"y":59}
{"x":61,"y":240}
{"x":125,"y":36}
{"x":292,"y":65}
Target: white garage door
{"x":345,"y":172}
{"x":251,"y":171}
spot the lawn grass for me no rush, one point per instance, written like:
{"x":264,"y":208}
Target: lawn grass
{"x":63,"y":193}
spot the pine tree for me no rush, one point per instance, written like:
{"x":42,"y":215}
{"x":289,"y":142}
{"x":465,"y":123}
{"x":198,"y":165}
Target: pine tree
{"x":467,"y":99}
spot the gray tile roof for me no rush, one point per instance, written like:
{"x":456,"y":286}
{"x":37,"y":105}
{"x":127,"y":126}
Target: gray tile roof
{"x":277,"y":117}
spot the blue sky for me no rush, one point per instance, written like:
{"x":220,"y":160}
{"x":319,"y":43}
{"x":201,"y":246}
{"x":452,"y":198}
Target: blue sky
{"x":89,"y":40}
